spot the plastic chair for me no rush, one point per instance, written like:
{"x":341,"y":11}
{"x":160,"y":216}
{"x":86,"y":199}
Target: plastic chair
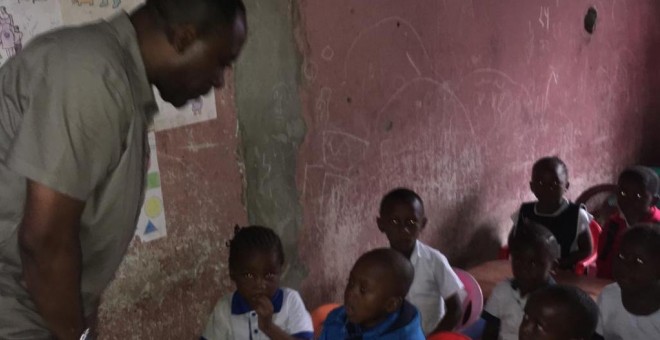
{"x":587,"y":266}
{"x":447,"y":336}
{"x":473,"y":304}
{"x":319,"y":315}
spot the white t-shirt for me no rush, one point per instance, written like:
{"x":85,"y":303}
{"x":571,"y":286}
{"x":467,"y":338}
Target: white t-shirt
{"x":233,"y":318}
{"x":434,"y":281}
{"x":506,"y":304}
{"x":584,"y":219}
{"x":616,"y":323}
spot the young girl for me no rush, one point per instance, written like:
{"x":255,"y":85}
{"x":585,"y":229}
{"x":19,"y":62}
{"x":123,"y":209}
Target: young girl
{"x":630,"y":308}
{"x":259,"y":309}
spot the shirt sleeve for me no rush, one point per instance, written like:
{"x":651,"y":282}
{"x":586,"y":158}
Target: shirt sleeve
{"x":299,"y":322}
{"x":447,"y":280}
{"x":496,"y":301}
{"x":218,"y":326}
{"x":69,"y":139}
{"x":584,"y":219}
{"x":599,"y":328}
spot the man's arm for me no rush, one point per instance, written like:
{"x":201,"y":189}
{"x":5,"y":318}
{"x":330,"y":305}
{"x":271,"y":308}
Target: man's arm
{"x":50,"y":251}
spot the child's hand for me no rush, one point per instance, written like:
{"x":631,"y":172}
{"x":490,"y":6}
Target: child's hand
{"x":264,"y":309}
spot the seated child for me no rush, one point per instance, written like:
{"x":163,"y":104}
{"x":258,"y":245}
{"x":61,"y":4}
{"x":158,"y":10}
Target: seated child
{"x":559,"y":313}
{"x":534,"y":255}
{"x":259,"y":309}
{"x":568,"y":221}
{"x":435,"y":286}
{"x":374,"y":301}
{"x":630,"y":308}
{"x":636,"y":196}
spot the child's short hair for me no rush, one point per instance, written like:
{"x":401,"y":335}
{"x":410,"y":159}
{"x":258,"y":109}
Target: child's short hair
{"x":645,"y":175}
{"x":400,"y":268}
{"x":649,"y":233}
{"x":529,"y":234}
{"x":253,"y":238}
{"x":399,"y":195}
{"x":583,"y":309}
{"x":553,"y":161}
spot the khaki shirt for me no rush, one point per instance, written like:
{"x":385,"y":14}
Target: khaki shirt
{"x":74,"y":112}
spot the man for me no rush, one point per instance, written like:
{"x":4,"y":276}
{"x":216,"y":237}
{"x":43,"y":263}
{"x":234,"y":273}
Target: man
{"x":74,"y":110}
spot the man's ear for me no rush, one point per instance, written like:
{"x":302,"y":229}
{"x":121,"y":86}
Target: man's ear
{"x":181,"y":37}
{"x":393,"y":304}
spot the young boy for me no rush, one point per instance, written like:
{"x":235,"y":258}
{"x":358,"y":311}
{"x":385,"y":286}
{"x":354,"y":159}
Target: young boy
{"x":374,"y":301}
{"x":630,"y":308}
{"x":568,"y":221}
{"x":559,"y":313}
{"x":259,"y":309}
{"x":636,"y":197}
{"x":435,"y":286}
{"x":534,"y":255}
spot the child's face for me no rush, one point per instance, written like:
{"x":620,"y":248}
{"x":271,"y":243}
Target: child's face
{"x":257,"y":275}
{"x":402,"y":225}
{"x":549,"y":184}
{"x":633,"y":199}
{"x":369,"y":297}
{"x":636,"y":268}
{"x":544,"y":320}
{"x":531,"y":268}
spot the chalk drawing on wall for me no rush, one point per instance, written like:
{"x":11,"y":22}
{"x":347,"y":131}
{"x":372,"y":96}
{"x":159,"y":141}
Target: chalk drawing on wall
{"x":21,"y":21}
{"x":76,"y":12}
{"x":343,"y":151}
{"x":151,"y":223}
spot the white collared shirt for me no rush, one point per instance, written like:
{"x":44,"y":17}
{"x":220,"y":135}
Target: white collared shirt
{"x":234,"y":319}
{"x":506,"y":304}
{"x":616,"y":323}
{"x":434,"y":281}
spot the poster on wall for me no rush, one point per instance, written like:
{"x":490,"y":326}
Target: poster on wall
{"x":21,"y":20}
{"x":151,"y":223}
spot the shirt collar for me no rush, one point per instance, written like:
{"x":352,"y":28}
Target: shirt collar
{"x":239,"y":304}
{"x":140,"y":86}
{"x":415,"y":255}
{"x":373,"y":332}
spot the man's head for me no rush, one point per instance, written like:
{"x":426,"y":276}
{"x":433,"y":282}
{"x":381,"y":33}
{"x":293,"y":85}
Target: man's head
{"x":188,"y":44}
{"x":377,"y":286}
{"x":559,"y":313}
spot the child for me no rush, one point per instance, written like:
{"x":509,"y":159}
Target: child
{"x":568,"y":221}
{"x":374,"y":301}
{"x":559,"y":313}
{"x":435,"y":285}
{"x":534,"y":254}
{"x":630,"y":308}
{"x":259,"y":309}
{"x":636,"y":197}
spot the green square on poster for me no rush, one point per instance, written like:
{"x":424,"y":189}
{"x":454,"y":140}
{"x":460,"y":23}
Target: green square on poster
{"x":153,"y":180}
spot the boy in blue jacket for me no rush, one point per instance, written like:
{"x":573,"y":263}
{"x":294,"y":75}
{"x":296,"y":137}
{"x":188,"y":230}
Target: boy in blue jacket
{"x":374,"y":301}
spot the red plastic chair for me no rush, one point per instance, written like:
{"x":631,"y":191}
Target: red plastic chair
{"x":319,"y":315}
{"x":473,"y":303}
{"x":586,"y":266}
{"x":447,"y":336}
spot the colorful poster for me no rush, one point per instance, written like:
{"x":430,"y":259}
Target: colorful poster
{"x":21,"y":20}
{"x":152,"y":224}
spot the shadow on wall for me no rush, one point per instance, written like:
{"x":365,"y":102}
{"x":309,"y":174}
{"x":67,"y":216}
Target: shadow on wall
{"x":649,"y":153}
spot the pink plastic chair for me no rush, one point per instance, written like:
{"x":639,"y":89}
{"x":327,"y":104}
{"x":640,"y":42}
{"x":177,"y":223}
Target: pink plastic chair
{"x":447,"y":336}
{"x":473,"y":304}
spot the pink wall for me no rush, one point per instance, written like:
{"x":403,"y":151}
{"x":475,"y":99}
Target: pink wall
{"x":456,"y":99}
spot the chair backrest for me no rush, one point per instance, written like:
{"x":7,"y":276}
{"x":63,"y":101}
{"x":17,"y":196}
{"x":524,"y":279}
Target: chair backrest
{"x":447,"y":336}
{"x":596,"y":230}
{"x":473,"y":304}
{"x":319,"y":315}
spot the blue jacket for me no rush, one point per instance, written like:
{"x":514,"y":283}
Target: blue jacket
{"x":403,"y":324}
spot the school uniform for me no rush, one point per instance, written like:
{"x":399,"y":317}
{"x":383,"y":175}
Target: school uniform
{"x":402,"y":324}
{"x":233,"y":318}
{"x":566,"y":223}
{"x":616,"y":323}
{"x":506,"y":308}
{"x":434,"y":281}
{"x":610,"y":240}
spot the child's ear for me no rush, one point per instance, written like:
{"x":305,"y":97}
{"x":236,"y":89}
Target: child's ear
{"x":554,"y":267}
{"x":380,"y":223}
{"x":568,"y":185}
{"x":423,"y":224}
{"x":654,"y":200}
{"x":393,"y":304}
